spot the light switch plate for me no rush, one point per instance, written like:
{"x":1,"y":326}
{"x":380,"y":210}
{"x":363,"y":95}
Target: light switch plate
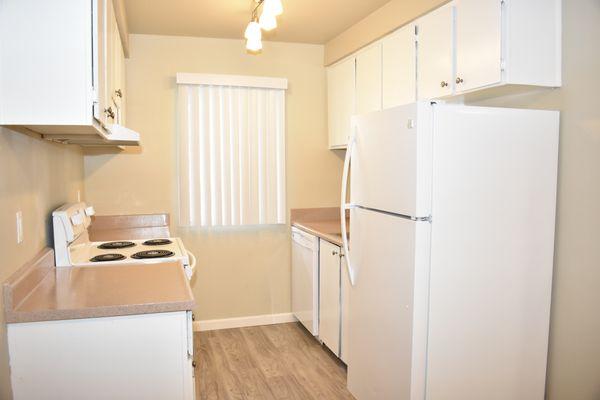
{"x":19,"y":217}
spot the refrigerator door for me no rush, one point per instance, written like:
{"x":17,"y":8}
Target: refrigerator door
{"x":492,"y":247}
{"x":391,"y":160}
{"x":387,"y":310}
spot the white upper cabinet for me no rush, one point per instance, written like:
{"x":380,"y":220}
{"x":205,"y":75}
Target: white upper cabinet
{"x":435,"y":53}
{"x":341,"y":101}
{"x":532,"y":42}
{"x":399,"y":67}
{"x":461,"y":47}
{"x":368,"y":79}
{"x":478,"y":43}
{"x":59,"y":74}
{"x":507,"y":42}
{"x":115,"y":70}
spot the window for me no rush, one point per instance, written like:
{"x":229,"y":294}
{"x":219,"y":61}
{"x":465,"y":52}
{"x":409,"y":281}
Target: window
{"x":231,"y":150}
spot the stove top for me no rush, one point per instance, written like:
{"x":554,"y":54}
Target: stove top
{"x":116,"y":245}
{"x":152,"y":254}
{"x":107,"y":257}
{"x":129,"y":252}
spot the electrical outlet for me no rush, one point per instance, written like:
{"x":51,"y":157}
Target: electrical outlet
{"x":19,"y":216}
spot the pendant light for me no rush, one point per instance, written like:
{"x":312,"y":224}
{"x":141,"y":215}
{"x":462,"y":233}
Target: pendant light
{"x":273,"y":7}
{"x":267,"y":22}
{"x":253,"y":36}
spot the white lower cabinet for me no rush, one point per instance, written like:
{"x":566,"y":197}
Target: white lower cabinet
{"x":334,"y":291}
{"x":148,"y":356}
{"x":329,"y":296}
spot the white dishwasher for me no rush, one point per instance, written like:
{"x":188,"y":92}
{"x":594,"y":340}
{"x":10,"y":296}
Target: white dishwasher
{"x":305,"y":279}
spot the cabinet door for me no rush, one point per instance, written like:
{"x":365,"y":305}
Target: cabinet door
{"x":341,"y":104}
{"x":478,"y":43}
{"x":118,"y":79}
{"x":111,"y":66}
{"x":345,"y":301}
{"x":99,"y":57}
{"x":435,"y":62}
{"x":329,"y":295}
{"x":368,"y":80}
{"x":399,"y":67}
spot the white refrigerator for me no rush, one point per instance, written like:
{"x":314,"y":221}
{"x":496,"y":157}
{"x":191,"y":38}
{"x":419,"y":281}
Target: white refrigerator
{"x":450,"y":254}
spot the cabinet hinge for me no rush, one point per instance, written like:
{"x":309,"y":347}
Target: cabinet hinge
{"x":502,"y":64}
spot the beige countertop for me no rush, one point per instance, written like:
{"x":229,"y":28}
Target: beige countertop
{"x":327,"y":230}
{"x":321,"y":222}
{"x":40,"y":292}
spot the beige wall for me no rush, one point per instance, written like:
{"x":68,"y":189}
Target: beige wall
{"x":242,"y":271}
{"x":574,"y":366}
{"x":381,"y":22}
{"x":35,"y":177}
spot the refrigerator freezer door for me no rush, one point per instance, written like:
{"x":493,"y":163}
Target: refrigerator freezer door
{"x":391,"y":160}
{"x":387,"y":310}
{"x":491,"y":252}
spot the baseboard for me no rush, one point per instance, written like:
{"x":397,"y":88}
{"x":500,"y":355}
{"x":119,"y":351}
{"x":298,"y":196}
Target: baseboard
{"x":240,"y":322}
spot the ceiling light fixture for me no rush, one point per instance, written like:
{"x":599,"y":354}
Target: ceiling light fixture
{"x":267,"y":22}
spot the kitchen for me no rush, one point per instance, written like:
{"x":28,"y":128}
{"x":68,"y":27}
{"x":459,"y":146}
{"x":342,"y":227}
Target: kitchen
{"x":244,"y":273}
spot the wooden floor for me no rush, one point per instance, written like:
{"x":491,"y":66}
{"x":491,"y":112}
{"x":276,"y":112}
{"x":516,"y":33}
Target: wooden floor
{"x":266,"y":362}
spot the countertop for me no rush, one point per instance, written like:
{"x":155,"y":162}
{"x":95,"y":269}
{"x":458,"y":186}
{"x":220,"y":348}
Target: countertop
{"x":321,"y":222}
{"x":327,"y":230}
{"x":90,"y":292}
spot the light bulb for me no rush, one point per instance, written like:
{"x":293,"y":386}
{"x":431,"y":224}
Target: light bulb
{"x":267,"y":21}
{"x":254,"y":44}
{"x":273,"y":7}
{"x":253,"y":31}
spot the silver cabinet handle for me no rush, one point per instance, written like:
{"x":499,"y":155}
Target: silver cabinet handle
{"x":444,"y":84}
{"x":459,"y":80}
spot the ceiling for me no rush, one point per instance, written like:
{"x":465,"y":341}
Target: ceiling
{"x":305,"y":21}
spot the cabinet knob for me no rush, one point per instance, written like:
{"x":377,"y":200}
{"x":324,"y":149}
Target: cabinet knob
{"x":459,"y":80}
{"x":193,"y":317}
{"x":109,"y":112}
{"x":444,"y":84}
{"x":194,"y":364}
{"x":119,"y":93}
{"x":334,"y":253}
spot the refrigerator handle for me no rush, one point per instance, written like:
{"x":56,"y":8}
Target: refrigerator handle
{"x":345,"y":206}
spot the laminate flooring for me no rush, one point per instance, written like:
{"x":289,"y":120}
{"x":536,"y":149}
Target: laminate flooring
{"x":266,"y":362}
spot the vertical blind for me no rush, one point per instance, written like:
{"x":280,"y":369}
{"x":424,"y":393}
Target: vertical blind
{"x":231,"y":154}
